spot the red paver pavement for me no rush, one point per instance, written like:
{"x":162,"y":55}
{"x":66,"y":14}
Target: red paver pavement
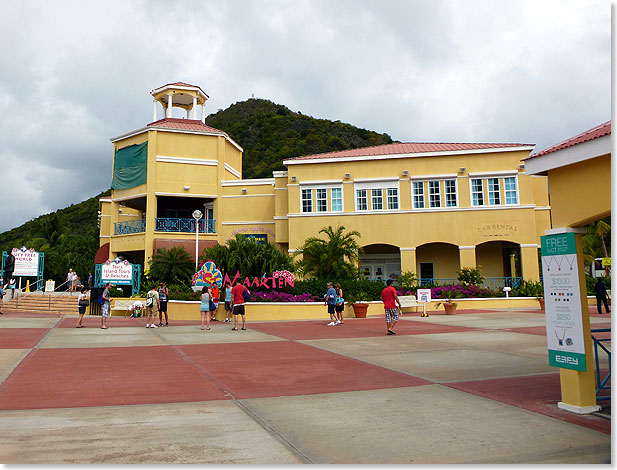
{"x":21,"y":338}
{"x":537,"y":393}
{"x":66,"y":378}
{"x":283,"y":368}
{"x":352,"y":328}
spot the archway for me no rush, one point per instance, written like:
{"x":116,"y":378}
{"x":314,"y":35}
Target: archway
{"x":437,"y":263}
{"x":380,"y":261}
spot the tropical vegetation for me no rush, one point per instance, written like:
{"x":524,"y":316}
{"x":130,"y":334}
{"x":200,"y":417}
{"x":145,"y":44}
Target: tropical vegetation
{"x":270,"y":133}
{"x":335,"y":257}
{"x":247,"y":256}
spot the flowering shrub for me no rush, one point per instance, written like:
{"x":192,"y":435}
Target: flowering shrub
{"x":277,"y":296}
{"x":462,"y":292}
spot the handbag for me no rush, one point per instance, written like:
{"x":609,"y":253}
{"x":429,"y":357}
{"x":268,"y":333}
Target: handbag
{"x":212,"y":306}
{"x":83,"y":302}
{"x":246,"y":295}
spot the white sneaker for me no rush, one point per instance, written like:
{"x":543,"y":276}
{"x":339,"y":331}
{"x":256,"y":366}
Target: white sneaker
{"x":148,"y":325}
{"x":338,"y":322}
{"x":153,"y":326}
{"x":331,"y":323}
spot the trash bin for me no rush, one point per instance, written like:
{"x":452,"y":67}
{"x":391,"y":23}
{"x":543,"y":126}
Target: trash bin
{"x":95,"y":308}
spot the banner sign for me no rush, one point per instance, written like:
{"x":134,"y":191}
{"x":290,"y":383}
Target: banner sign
{"x":26,"y":262}
{"x":424,"y":295}
{"x":117,"y":272}
{"x":50,"y":286}
{"x":562,"y":298}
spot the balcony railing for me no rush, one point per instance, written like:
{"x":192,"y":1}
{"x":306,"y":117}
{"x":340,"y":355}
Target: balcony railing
{"x":164,"y":225}
{"x":489,"y":282}
{"x":130,"y":226}
{"x":184,"y":225}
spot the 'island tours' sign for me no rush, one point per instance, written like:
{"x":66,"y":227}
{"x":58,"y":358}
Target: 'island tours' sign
{"x":26,"y":262}
{"x":117,"y":272}
{"x":564,"y":316}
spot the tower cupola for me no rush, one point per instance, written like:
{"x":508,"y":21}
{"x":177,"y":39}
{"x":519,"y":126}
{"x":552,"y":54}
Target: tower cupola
{"x":181,"y":95}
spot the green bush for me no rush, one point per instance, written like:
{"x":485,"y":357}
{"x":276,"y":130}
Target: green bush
{"x":529,"y":289}
{"x":470,"y":276}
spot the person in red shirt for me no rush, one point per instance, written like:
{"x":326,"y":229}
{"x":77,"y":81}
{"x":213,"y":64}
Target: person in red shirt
{"x":237,"y":302}
{"x":390,"y":300}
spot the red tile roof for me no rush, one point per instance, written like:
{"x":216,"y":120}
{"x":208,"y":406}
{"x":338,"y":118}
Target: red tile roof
{"x":410,"y":147}
{"x":184,"y":124}
{"x":594,"y":133}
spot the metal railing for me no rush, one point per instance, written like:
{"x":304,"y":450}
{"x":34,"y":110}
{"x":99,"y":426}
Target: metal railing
{"x":21,"y":297}
{"x":184,"y":225}
{"x":164,"y":225}
{"x":489,"y":282}
{"x":601,"y":382}
{"x":129,"y":226}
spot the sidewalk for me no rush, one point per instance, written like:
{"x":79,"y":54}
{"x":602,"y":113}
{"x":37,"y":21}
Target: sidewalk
{"x":469,"y":388}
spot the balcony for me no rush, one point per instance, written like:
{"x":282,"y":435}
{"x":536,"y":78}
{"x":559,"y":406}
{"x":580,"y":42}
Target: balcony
{"x":184,"y":225}
{"x":164,"y":225}
{"x":130,"y":226}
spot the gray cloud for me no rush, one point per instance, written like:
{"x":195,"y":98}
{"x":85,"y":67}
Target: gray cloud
{"x":78,"y":73}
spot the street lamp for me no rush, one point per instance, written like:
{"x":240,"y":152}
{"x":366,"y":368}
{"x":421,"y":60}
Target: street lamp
{"x":197,"y":215}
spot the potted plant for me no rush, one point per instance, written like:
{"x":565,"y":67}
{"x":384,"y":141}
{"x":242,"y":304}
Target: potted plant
{"x":359,"y":303}
{"x":448,"y":305}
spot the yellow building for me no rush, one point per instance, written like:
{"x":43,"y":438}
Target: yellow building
{"x":429,"y":208}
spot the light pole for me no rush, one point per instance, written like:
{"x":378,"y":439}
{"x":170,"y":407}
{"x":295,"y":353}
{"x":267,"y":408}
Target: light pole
{"x":197,"y":215}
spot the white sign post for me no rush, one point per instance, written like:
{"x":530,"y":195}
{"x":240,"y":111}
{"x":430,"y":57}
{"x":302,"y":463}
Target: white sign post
{"x":424,"y":297}
{"x":564,"y":316}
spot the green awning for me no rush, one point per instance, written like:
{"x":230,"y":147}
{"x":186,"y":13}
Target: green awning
{"x":130,"y":166}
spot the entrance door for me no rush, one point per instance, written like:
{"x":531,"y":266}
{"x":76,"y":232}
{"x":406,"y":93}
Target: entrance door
{"x":426,"y":272}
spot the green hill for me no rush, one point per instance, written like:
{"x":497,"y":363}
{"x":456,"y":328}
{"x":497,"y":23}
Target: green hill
{"x":269,"y":134}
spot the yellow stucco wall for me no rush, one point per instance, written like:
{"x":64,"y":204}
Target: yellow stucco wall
{"x":581,"y":192}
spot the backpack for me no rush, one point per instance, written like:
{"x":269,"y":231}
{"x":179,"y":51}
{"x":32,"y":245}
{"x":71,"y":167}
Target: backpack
{"x":101,"y":300}
{"x":149,"y":300}
{"x":246,"y":295}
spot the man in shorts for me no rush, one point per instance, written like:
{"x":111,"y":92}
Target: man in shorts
{"x":152,"y":307}
{"x":330,"y":301}
{"x":237,"y":302}
{"x":105,"y":307}
{"x":163,"y":298}
{"x":390,"y":299}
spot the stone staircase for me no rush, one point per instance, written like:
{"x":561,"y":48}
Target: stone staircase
{"x":60,"y":303}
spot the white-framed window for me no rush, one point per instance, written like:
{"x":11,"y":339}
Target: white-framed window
{"x":307,"y":200}
{"x":494,"y":197}
{"x":322,"y":200}
{"x":314,"y":197}
{"x":500,"y":190}
{"x":361,"y":200}
{"x":450,"y":193}
{"x":477,"y":192}
{"x":510,"y":190}
{"x":392,"y":198}
{"x":383,"y":194}
{"x":434,"y":198}
{"x":337,"y":199}
{"x":418,"y":194}
{"x":377,"y":199}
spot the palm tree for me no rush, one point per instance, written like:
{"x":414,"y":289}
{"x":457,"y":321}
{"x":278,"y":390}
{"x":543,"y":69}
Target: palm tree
{"x":247,"y":256}
{"x":333,"y":258}
{"x":594,"y":240}
{"x":173,"y":265}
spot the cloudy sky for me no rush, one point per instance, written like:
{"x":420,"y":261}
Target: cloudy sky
{"x":76,"y":74}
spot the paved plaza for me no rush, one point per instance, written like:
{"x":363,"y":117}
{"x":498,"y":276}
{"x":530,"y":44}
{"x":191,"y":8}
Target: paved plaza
{"x":468,"y":388}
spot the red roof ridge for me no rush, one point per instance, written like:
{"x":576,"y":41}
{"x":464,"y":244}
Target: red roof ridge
{"x":180,"y":123}
{"x":408,"y":147}
{"x":591,"y":134}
